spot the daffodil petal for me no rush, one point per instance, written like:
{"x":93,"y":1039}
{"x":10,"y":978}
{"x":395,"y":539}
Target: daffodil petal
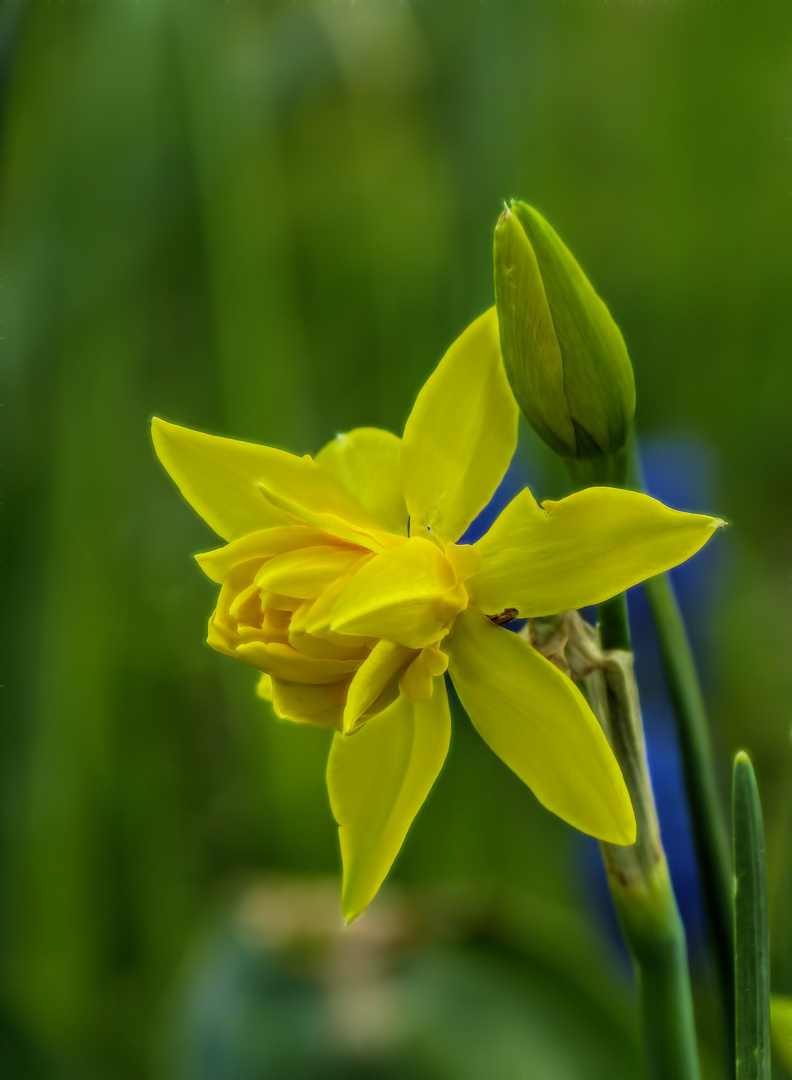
{"x":312,"y":645}
{"x":220,"y":477}
{"x":222,"y":626}
{"x":264,"y":688}
{"x":275,"y":626}
{"x":370,"y":535}
{"x":372,"y":678}
{"x":318,"y":706}
{"x":408,"y":595}
{"x":417,"y":681}
{"x":538,"y":723}
{"x":259,"y":545}
{"x":314,"y":618}
{"x":378,"y":779}
{"x":367,"y":461}
{"x":286,"y":664}
{"x":461,"y":433}
{"x":580,"y":550}
{"x":306,"y":572}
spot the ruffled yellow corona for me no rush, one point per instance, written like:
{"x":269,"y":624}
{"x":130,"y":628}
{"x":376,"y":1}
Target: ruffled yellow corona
{"x":342,"y":582}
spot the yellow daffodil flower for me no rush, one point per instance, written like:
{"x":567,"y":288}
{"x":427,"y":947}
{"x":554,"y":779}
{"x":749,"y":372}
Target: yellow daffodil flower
{"x":342,"y":582}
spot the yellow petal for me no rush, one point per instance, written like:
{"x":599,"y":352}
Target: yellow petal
{"x":378,"y":779}
{"x":368,"y":535}
{"x":372,"y":678}
{"x":220,"y":478}
{"x":319,"y":706}
{"x":461,"y":433}
{"x":313,"y":618}
{"x":306,"y":572}
{"x":276,"y":602}
{"x":264,"y":688}
{"x":781,"y":1026}
{"x":274,"y":629}
{"x":285,"y":663}
{"x":465,"y":560}
{"x":417,"y":681}
{"x":220,"y":637}
{"x":263,"y":544}
{"x":408,"y":594}
{"x":321,"y":648}
{"x":538,"y":723}
{"x":222,"y":626}
{"x":246,"y":606}
{"x":367,"y":461}
{"x":581,"y":550}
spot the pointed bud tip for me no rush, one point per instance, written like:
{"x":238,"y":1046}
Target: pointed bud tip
{"x":505,"y":215}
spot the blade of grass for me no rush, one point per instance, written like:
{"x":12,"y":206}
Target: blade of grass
{"x":751,"y":933}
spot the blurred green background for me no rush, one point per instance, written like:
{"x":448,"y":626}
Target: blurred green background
{"x":268,"y":220}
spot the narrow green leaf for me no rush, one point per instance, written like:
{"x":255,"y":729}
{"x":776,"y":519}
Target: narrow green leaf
{"x":751,"y":933}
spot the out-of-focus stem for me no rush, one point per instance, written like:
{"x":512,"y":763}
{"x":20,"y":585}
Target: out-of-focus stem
{"x":638,"y":875}
{"x":706,"y":808}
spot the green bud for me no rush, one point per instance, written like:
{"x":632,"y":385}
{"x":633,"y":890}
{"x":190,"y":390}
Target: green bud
{"x":564,"y":355}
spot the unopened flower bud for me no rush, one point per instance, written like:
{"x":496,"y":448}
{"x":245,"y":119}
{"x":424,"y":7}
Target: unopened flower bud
{"x":564,"y":355}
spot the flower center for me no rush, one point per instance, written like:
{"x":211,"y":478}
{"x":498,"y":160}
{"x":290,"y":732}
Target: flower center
{"x":337,"y":626}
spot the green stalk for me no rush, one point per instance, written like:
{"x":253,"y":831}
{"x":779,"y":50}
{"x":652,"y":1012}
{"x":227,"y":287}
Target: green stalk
{"x":655,"y":936}
{"x":751,"y":932}
{"x":706,"y":808}
{"x":638,"y":875}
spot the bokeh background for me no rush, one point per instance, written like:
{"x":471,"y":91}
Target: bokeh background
{"x":268,"y":220}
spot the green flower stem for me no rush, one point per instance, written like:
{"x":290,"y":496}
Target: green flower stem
{"x":604,"y":470}
{"x":638,"y":875}
{"x":655,"y":936}
{"x":751,"y":932}
{"x":706,"y":808}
